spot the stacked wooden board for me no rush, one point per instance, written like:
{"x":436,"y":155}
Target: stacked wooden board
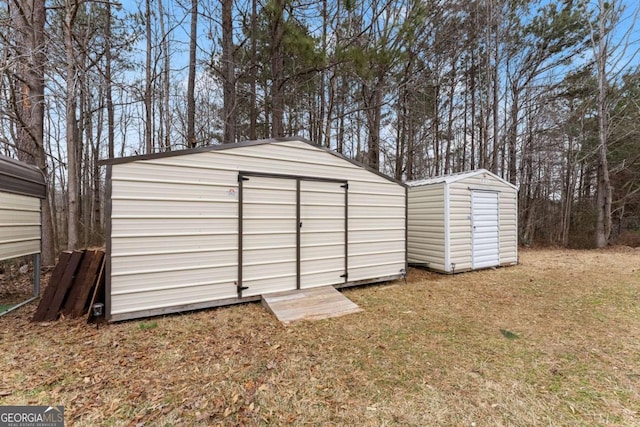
{"x":75,"y":283}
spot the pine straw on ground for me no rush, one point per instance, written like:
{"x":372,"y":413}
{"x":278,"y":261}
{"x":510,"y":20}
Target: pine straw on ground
{"x":552,"y":341}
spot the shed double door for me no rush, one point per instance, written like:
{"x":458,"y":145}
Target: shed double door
{"x":292,"y":233}
{"x":485,"y":234}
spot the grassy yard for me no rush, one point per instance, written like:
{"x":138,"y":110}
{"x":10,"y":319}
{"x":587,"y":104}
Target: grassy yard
{"x":554,"y":341}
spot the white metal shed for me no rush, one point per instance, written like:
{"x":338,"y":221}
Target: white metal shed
{"x":461,"y":222}
{"x":22,"y":188}
{"x":228,"y":223}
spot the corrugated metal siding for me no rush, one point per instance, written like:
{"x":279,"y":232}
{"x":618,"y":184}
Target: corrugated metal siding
{"x":460,"y":226}
{"x":508,"y":227}
{"x":19,"y":225}
{"x":427,"y":226}
{"x":20,"y":178}
{"x":173,"y":236}
{"x":174,"y":224}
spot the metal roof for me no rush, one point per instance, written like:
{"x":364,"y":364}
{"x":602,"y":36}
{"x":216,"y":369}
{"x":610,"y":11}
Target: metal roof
{"x":21,"y":178}
{"x":220,"y":147}
{"x":456,"y":177}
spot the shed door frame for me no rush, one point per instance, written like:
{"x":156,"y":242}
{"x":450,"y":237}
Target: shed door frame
{"x":495,"y":260}
{"x":245,"y":176}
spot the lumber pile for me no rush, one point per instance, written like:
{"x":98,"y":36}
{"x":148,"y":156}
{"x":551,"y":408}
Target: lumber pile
{"x":74,"y":285}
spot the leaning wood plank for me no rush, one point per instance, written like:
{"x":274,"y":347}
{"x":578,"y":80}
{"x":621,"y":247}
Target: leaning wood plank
{"x":50,"y":290}
{"x":72,"y":292}
{"x":63,"y":286}
{"x":93,"y":279}
{"x":83,"y":284}
{"x":98,"y":291}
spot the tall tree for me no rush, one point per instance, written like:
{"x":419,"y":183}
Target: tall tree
{"x":191,"y":84}
{"x":165,"y":108}
{"x":276,"y":22}
{"x":27,"y":45}
{"x":552,"y":38}
{"x":228,"y":73}
{"x":148,"y":81}
{"x":253,"y":71}
{"x":603,"y":194}
{"x":71,"y":8}
{"x":109,"y":82}
{"x":380,"y":49}
{"x":610,"y":60}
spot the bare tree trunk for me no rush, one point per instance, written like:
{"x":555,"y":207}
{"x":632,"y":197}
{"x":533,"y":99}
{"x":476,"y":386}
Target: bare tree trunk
{"x":71,"y":127}
{"x":401,"y":131}
{"x":277,"y":70}
{"x":86,"y":167}
{"x":341,"y":108}
{"x":95,"y":217}
{"x":603,"y":193}
{"x":462,"y":165}
{"x":436,"y":129}
{"x":51,"y":212}
{"x":148,"y":96}
{"x":496,"y":111}
{"x":410,"y":147}
{"x":472,"y":89}
{"x":373,"y":112}
{"x":253,"y":73}
{"x":513,"y":135}
{"x":323,"y":77}
{"x":108,"y":82}
{"x":29,"y":19}
{"x":165,"y":142}
{"x":331,"y":104}
{"x":494,"y":57}
{"x":191,"y":83}
{"x":228,"y":73}
{"x":568,"y":194}
{"x":447,"y":155}
{"x":483,"y":137}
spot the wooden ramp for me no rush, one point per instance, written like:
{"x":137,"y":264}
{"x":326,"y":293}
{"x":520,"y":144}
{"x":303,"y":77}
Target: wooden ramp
{"x":309,"y":304}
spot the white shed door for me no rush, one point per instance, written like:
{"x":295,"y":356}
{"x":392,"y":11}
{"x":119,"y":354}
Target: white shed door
{"x":322,"y":233}
{"x":268,"y":235}
{"x":485,"y":225}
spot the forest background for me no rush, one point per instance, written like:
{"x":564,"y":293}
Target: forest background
{"x":544,"y":94}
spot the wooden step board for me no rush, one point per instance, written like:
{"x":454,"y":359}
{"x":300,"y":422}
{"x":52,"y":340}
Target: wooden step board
{"x":309,"y":304}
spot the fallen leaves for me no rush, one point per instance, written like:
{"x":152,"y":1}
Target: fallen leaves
{"x":16,"y":284}
{"x":423,"y":353}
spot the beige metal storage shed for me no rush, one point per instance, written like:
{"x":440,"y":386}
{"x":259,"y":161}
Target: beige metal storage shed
{"x":22,"y":188}
{"x":461,"y":222}
{"x":228,"y":223}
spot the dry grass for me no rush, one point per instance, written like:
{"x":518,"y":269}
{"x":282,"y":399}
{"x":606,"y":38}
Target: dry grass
{"x":429,"y":352}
